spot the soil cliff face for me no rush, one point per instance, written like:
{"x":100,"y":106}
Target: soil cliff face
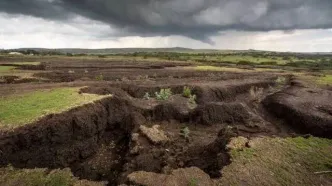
{"x":62,"y":139}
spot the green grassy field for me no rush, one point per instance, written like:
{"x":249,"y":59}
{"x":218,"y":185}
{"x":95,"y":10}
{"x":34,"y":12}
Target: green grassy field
{"x":280,"y":161}
{"x":327,"y":79}
{"x":4,"y":69}
{"x":18,"y":110}
{"x":10,"y":176}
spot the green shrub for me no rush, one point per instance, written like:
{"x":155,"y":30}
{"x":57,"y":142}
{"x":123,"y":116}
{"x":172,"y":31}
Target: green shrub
{"x":280,"y":80}
{"x":185,"y":132}
{"x":147,"y":96}
{"x":163,"y":94}
{"x":186,"y":92}
{"x":192,"y":99}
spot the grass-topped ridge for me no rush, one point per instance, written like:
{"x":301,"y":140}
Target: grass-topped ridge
{"x":6,"y":68}
{"x":10,"y":176}
{"x":22,"y":109}
{"x":278,"y":161}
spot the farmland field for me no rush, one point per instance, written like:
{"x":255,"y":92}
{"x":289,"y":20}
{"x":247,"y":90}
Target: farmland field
{"x":163,"y":118}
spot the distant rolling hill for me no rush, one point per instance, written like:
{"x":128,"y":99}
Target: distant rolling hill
{"x":120,"y":50}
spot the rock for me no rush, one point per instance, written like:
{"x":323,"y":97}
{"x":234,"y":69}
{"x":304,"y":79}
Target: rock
{"x":154,"y":134}
{"x":178,"y":177}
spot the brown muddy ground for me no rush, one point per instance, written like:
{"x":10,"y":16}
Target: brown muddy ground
{"x":105,"y":140}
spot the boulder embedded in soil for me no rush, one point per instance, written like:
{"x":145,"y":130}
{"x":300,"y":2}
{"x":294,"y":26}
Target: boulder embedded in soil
{"x":186,"y":176}
{"x":154,"y":134}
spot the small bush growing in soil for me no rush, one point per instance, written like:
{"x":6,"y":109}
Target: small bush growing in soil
{"x":186,"y":92}
{"x":193,"y":182}
{"x":99,"y":77}
{"x":280,"y":80}
{"x":163,"y":94}
{"x":256,"y":94}
{"x":185,"y":132}
{"x":146,"y":96}
{"x":192,"y":99}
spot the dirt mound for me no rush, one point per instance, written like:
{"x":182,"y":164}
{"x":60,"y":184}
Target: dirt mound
{"x":220,"y":112}
{"x":8,"y":79}
{"x":306,"y":109}
{"x":105,"y":90}
{"x":222,"y":91}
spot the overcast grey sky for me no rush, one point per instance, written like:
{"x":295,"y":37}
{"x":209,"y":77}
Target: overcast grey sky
{"x":280,"y":25}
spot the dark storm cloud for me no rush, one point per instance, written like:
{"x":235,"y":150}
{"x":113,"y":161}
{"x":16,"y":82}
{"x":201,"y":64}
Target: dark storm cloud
{"x":193,"y":18}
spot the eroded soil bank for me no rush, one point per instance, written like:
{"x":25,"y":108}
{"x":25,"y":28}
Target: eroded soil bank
{"x":118,"y":136}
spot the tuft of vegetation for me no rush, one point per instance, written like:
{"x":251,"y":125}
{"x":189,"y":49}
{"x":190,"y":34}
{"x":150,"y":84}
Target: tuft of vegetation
{"x":163,"y":94}
{"x":146,"y":96}
{"x":186,"y":92}
{"x":192,"y":99}
{"x":256,"y":93}
{"x":18,"y":110}
{"x":193,"y":182}
{"x":280,"y":80}
{"x":185,"y":132}
{"x":100,"y":77}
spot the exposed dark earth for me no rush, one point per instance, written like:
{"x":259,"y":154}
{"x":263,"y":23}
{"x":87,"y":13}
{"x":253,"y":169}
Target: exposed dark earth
{"x":128,"y":138}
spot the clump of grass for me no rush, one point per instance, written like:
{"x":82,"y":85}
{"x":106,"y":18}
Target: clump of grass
{"x":186,"y":92}
{"x":163,"y":94}
{"x":256,"y":93}
{"x":192,"y":99}
{"x":146,"y":96}
{"x":280,"y":80}
{"x":193,"y":182}
{"x":185,"y":133}
{"x":18,"y":110}
{"x":100,"y":77}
